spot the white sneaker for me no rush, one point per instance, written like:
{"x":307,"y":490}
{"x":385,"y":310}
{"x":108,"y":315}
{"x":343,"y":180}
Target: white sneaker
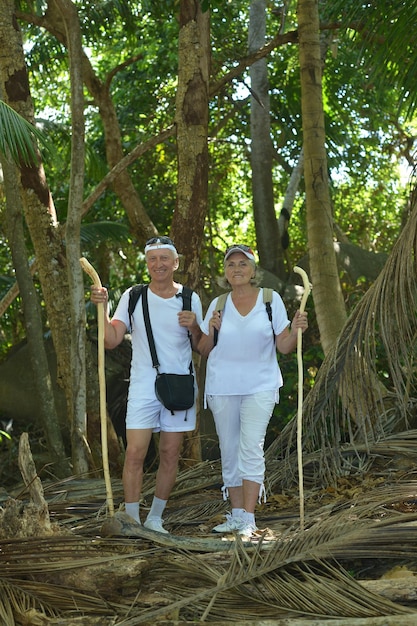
{"x":248,"y":530}
{"x":231,"y":524}
{"x":155,"y":523}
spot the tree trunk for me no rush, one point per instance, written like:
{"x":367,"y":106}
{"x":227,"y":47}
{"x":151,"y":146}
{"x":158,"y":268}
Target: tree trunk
{"x":192,"y":132}
{"x":327,"y":294}
{"x":37,"y":201}
{"x":75,"y":274}
{"x":270,"y":249}
{"x":288,"y":202}
{"x":358,"y":386}
{"x":122,"y":185}
{"x":33,"y":320}
{"x":47,"y":237}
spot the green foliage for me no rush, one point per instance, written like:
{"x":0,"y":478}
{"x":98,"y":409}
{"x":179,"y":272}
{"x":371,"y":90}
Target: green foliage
{"x":97,"y":232}
{"x":132,"y":47}
{"x":18,"y":137}
{"x":379,"y":32}
{"x":146,"y":32}
{"x":5,"y":436}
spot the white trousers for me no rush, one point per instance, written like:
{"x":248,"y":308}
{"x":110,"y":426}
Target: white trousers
{"x":241,"y":423}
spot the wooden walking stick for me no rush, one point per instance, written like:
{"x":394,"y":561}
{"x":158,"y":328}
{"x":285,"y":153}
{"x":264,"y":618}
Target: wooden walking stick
{"x":299,"y":270}
{"x":89,"y":269}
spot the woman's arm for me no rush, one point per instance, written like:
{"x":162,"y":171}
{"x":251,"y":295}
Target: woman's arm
{"x":286,"y":341}
{"x":206,"y":343}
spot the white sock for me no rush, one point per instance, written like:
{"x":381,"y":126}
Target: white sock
{"x":239,"y":513}
{"x":132,"y":509}
{"x":157,"y":508}
{"x":249,"y":517}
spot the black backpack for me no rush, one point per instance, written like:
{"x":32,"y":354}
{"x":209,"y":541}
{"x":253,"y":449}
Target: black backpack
{"x":136,"y":292}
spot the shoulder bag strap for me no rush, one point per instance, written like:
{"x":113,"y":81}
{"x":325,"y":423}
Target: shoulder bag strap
{"x":148,"y":327}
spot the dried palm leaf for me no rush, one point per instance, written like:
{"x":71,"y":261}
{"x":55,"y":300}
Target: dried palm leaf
{"x":344,"y":407}
{"x":394,"y":453}
{"x":16,"y":600}
{"x":300,"y":575}
{"x":262,"y":587}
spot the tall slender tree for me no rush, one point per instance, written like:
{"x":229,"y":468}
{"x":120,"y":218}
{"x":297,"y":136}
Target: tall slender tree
{"x":33,"y":318}
{"x":37,"y":200}
{"x":191,"y":119}
{"x":71,"y":23}
{"x":192,"y":148}
{"x":327,"y":293}
{"x":267,"y":234}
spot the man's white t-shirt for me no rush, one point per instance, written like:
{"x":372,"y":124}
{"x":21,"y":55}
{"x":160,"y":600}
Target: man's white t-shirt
{"x":172,"y":342}
{"x":244,"y":361}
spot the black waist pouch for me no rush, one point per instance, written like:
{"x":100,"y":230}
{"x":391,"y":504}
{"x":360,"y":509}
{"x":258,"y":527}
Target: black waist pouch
{"x":175,"y":391}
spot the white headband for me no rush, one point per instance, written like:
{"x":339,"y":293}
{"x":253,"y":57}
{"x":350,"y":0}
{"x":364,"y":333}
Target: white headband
{"x":157,"y":246}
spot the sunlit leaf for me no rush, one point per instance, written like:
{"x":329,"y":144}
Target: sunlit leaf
{"x":17,"y":136}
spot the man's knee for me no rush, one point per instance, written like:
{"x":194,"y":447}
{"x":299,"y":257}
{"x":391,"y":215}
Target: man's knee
{"x":135,"y":456}
{"x":169,"y":456}
{"x":170,"y":446}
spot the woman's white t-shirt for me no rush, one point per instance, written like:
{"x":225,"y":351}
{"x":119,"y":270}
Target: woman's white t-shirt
{"x":172,"y":342}
{"x":244,"y":361}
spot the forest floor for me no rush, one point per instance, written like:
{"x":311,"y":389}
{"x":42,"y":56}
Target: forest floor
{"x":346,"y":555}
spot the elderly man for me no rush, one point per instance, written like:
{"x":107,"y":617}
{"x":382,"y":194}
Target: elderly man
{"x":172,"y":328}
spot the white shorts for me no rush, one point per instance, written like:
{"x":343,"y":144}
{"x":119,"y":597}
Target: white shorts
{"x":150,"y":413}
{"x":241,"y":423}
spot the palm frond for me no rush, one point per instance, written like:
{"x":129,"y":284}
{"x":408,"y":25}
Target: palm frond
{"x":97,"y":232}
{"x":17,"y":136}
{"x":385,"y":42}
{"x":300,"y":574}
{"x":297,"y":576}
{"x":16,"y":600}
{"x":356,"y":401}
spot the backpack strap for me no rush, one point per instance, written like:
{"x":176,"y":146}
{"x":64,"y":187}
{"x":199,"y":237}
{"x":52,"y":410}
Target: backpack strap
{"x":186,"y":294}
{"x":267,"y":298}
{"x":221,"y":301}
{"x":134,"y":296}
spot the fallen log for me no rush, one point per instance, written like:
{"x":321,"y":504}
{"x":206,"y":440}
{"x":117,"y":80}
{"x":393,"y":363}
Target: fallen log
{"x":122,"y":525}
{"x":400,"y":590}
{"x":105,"y":579}
{"x":390,"y":620}
{"x":20,"y":520}
{"x":30,"y":477}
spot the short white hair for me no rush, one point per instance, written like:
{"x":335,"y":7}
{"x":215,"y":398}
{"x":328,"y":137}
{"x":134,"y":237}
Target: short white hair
{"x":158,"y":246}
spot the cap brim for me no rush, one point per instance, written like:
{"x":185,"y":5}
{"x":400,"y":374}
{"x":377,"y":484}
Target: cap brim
{"x":245,"y":252}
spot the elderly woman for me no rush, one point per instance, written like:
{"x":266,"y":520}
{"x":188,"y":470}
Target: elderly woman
{"x":243,"y":380}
